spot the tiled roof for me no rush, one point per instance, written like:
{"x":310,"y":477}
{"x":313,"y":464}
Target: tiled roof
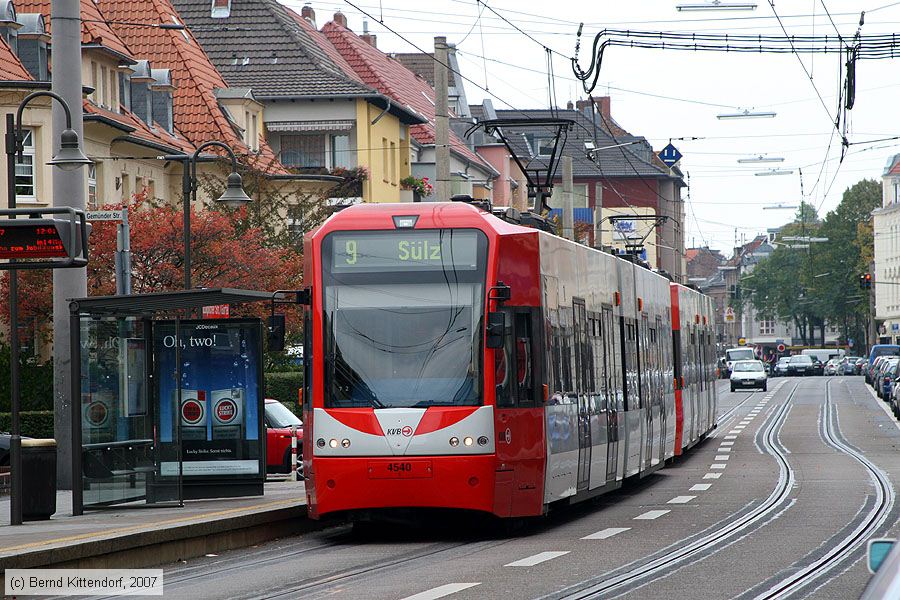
{"x":11,"y":69}
{"x":267,"y":47}
{"x":94,"y":28}
{"x":393,"y":79}
{"x":139,"y":130}
{"x":634,"y":160}
{"x":196,"y":111}
{"x":422,"y":64}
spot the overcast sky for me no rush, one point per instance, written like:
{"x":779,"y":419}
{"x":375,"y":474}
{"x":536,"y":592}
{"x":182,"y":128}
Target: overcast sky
{"x":725,"y":199}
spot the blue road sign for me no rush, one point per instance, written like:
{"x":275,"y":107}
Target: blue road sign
{"x":670,"y":155}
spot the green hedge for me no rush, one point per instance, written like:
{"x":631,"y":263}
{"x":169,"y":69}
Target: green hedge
{"x":35,"y":383}
{"x":284,"y":386}
{"x":36,"y":424}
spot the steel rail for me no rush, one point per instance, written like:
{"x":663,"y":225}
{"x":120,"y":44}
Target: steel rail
{"x":779,"y":495}
{"x":876,"y":517}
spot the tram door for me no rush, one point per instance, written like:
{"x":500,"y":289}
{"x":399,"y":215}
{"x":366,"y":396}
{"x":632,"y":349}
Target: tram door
{"x":648,"y":391}
{"x":583,"y":361}
{"x":661,"y":383}
{"x":613,"y":391}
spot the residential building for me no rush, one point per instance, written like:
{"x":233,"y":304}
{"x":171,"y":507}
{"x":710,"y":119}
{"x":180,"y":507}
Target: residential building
{"x":470,"y":173}
{"x":886,"y":228}
{"x":621,"y":189}
{"x":317,"y":114}
{"x":422,"y":64}
{"x":702,"y":263}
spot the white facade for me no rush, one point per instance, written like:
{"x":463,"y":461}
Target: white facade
{"x":887,"y":250}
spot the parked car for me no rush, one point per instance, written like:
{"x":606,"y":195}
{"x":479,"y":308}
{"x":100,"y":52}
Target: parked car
{"x":885,"y":378}
{"x":895,"y":398}
{"x":879,"y":350}
{"x":872,"y":368}
{"x":781,"y":367}
{"x":4,"y":449}
{"x":800,"y":365}
{"x":848,"y":365}
{"x":748,"y":374}
{"x":831,"y":367}
{"x":278,"y":420}
{"x":860,"y":364}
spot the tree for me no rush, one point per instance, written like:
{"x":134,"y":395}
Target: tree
{"x":222,"y":256}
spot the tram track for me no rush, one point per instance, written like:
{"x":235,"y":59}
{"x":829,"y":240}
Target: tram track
{"x":664,"y":563}
{"x":867,"y":526}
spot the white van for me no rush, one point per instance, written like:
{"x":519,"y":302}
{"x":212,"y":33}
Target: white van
{"x":824,"y":354}
{"x":735,"y":354}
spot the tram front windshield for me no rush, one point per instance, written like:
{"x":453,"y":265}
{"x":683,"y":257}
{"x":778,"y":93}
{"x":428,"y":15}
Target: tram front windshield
{"x":402,"y":319}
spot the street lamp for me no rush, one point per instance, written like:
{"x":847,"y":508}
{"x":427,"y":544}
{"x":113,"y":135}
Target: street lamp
{"x":69,"y":158}
{"x":747,"y":114}
{"x":233,"y":197}
{"x":761,"y":159}
{"x":716,"y":5}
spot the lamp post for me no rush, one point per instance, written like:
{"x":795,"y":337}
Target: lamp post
{"x":233,"y":196}
{"x":68,"y":158}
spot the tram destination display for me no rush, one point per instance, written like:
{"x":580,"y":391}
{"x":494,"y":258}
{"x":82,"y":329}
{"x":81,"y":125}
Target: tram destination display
{"x":428,"y":250}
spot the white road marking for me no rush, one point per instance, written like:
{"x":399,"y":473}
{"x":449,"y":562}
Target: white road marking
{"x":651,"y":514}
{"x":441,"y":591}
{"x":681,"y":499}
{"x":722,"y":457}
{"x":701,"y":487}
{"x":537,"y":559}
{"x":730,"y":437}
{"x":733,"y":433}
{"x":606,"y":533}
{"x":724,"y":449}
{"x":712,"y":476}
{"x":717,"y":466}
{"x":731,"y":443}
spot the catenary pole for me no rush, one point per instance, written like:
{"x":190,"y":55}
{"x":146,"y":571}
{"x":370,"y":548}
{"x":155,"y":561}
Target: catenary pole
{"x":441,"y":121}
{"x":568,"y":212}
{"x":68,"y":190}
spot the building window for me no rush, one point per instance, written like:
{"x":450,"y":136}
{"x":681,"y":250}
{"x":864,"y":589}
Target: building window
{"x":92,"y":185}
{"x":393,"y":163}
{"x":25,"y":182}
{"x":221,"y":9}
{"x":384,"y":160}
{"x":126,"y":187}
{"x":254,"y":132}
{"x":303,"y":151}
{"x":341,"y":156}
{"x":545,"y":147}
{"x":124,"y":91}
{"x":95,"y":83}
{"x":295,"y":222}
{"x":767,"y":327}
{"x":896,"y":191}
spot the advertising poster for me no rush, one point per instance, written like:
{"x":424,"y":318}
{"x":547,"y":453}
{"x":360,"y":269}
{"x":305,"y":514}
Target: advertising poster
{"x":218,"y":419}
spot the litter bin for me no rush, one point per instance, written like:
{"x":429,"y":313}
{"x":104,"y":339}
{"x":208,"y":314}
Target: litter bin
{"x":38,"y":479}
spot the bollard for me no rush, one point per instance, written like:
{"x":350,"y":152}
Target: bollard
{"x":294,"y":452}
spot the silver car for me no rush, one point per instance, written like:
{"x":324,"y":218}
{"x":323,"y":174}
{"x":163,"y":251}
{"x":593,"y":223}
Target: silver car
{"x":748,"y":374}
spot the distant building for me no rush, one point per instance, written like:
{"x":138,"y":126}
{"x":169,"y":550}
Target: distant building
{"x":886,"y":228}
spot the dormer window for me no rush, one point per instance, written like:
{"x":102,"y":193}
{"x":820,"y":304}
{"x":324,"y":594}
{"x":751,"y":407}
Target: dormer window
{"x":33,"y":40}
{"x":161,"y":90}
{"x":9,"y":24}
{"x":221,"y":9}
{"x":141,"y":95}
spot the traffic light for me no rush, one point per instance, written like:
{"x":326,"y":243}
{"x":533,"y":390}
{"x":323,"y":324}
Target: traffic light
{"x":865,"y":281}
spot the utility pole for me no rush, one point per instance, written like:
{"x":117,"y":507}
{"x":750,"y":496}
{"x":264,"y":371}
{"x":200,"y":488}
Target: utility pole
{"x":441,"y":121}
{"x":598,"y":215}
{"x":68,"y":190}
{"x":568,"y":212}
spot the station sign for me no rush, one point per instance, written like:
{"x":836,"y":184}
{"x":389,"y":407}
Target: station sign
{"x":43,"y":238}
{"x":31,"y":238}
{"x":104,"y":215}
{"x":217,"y":311}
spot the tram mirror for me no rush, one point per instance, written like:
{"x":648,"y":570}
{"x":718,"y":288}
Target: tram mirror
{"x":275,"y":333}
{"x":496,"y":327}
{"x":877,"y":552}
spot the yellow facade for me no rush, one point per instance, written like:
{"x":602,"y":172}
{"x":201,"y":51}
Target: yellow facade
{"x":383,"y":149}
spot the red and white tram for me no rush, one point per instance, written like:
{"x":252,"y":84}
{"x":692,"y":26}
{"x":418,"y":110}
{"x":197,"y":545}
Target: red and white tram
{"x":463,"y":361}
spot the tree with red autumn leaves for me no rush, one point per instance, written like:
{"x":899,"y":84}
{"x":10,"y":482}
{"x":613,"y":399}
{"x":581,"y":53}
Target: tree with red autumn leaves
{"x":222,"y":255}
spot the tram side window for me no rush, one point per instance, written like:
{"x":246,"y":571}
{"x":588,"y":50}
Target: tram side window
{"x":307,"y":362}
{"x":524,"y":359}
{"x":503,"y":386}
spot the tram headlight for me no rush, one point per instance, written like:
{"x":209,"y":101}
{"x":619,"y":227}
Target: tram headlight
{"x":483,"y":440}
{"x":320,"y":442}
{"x":454,"y":441}
{"x":468,"y":441}
{"x":345,"y":443}
{"x":333,"y":443}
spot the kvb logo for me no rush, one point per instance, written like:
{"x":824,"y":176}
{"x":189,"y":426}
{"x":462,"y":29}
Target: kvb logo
{"x":405,"y":431}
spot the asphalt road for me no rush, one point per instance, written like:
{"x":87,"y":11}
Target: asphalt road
{"x":778,"y":502}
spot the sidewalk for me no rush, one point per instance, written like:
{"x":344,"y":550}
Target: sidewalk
{"x":136,"y":535}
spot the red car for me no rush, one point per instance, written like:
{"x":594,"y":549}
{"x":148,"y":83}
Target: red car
{"x":278,"y":422}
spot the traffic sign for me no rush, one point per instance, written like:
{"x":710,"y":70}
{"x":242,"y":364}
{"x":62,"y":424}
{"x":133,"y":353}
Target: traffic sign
{"x":670,"y":155}
{"x":781,"y":347}
{"x":742,"y":341}
{"x":729,"y":315}
{"x":103,"y":215}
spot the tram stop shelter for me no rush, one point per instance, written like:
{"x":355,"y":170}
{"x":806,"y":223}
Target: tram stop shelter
{"x":166,"y":407}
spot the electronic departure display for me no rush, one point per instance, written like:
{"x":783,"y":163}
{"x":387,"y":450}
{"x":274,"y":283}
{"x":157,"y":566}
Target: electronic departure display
{"x":24,"y":239}
{"x":430,"y":250}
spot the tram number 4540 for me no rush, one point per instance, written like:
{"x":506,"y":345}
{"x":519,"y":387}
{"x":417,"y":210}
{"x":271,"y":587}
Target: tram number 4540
{"x":412,"y":469}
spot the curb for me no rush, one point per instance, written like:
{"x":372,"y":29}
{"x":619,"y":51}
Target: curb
{"x":152,"y":547}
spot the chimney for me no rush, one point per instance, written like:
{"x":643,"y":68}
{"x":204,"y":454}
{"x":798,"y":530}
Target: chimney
{"x":309,"y":14}
{"x":604,"y":103}
{"x":584,"y":104}
{"x":340,"y":19}
{"x":368,"y":38}
{"x":569,"y":105}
